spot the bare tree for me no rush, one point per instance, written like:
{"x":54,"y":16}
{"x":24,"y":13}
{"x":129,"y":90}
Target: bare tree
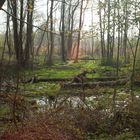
{"x":29,"y":40}
{"x":79,"y":31}
{"x":63,"y":49}
{"x":49,"y":61}
{"x":72,"y":9}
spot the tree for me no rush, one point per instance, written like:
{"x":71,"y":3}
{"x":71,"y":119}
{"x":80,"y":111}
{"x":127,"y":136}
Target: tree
{"x":62,"y":32}
{"x":118,"y":45}
{"x":108,"y":30}
{"x":125,"y":30}
{"x":79,"y":32}
{"x":135,"y":23}
{"x":72,"y":9}
{"x":15,"y":31}
{"x":1,"y":3}
{"x":92,"y":41}
{"x":29,"y":32}
{"x":22,"y":44}
{"x":49,"y":61}
{"x":101,"y":5}
{"x":7,"y":36}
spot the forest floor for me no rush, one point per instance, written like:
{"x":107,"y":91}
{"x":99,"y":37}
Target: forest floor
{"x":87,"y":113}
{"x":68,"y":71}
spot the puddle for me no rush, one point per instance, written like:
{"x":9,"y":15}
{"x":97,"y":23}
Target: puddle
{"x":76,"y":101}
{"x":71,"y":101}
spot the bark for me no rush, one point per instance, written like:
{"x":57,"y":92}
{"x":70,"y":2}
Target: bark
{"x":118,"y":47}
{"x":63,"y":31}
{"x":108,"y":32}
{"x":69,"y":42}
{"x":71,"y":26}
{"x":114,"y":28}
{"x":21,"y":30}
{"x":1,"y":3}
{"x":95,"y":84}
{"x":15,"y":30}
{"x":41,"y":39}
{"x":92,"y":41}
{"x":125,"y":33}
{"x":6,"y":36}
{"x":101,"y":30}
{"x":134,"y":64}
{"x":49,"y":61}
{"x":37,"y":80}
{"x":79,"y":32}
{"x":47,"y":34}
{"x":29,"y":39}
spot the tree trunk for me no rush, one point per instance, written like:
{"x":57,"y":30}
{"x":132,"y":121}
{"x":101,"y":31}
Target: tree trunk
{"x":1,"y":3}
{"x":49,"y":61}
{"x":125,"y":33}
{"x":15,"y":30}
{"x":63,"y":53}
{"x":108,"y":32}
{"x":29,"y":39}
{"x":118,"y":47}
{"x":70,"y":37}
{"x":79,"y":32}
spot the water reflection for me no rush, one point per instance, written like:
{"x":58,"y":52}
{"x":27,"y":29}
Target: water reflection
{"x":77,"y":101}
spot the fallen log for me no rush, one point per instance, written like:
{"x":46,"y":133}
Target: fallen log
{"x":95,"y":84}
{"x":137,"y":83}
{"x":37,"y":80}
{"x":5,"y":119}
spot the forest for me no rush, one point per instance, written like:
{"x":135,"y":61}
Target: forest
{"x":69,"y":70}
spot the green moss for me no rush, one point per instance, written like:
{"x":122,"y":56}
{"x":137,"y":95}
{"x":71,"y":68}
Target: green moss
{"x":4,"y":109}
{"x":68,"y":70}
{"x":55,"y":73}
{"x":42,"y":88}
{"x":122,"y":136}
{"x":64,"y":71}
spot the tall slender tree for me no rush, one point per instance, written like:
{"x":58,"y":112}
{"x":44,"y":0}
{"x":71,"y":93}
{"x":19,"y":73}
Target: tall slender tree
{"x":49,"y":61}
{"x":63,"y":49}
{"x":29,"y":33}
{"x":79,"y":31}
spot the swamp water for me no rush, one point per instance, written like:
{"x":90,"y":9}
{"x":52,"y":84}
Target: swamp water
{"x":80,"y":101}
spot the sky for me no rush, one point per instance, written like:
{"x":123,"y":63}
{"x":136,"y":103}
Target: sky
{"x":41,"y":9}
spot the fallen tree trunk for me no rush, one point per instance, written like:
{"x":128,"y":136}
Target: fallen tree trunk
{"x":37,"y":80}
{"x":5,"y":119}
{"x":95,"y":84}
{"x":137,"y":83}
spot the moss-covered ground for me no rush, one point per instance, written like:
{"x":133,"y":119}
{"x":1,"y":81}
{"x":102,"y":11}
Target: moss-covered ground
{"x":69,"y":70}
